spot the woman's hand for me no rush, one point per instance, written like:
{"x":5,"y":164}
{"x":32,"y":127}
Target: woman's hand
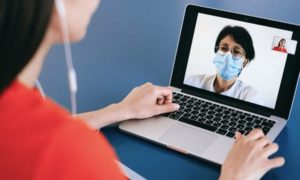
{"x":249,"y":157}
{"x":142,"y":102}
{"x":148,"y":100}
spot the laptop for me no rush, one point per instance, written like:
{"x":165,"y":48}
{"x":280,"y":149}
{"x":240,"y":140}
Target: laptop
{"x":232,"y":72}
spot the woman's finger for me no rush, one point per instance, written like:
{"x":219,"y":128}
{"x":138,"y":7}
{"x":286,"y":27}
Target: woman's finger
{"x":274,"y":163}
{"x":270,"y":149}
{"x":237,"y":137}
{"x":255,"y":134}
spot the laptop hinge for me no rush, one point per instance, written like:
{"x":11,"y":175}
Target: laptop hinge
{"x":176,"y":89}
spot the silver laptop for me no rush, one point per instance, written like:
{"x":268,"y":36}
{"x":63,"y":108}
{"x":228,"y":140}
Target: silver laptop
{"x":232,"y":72}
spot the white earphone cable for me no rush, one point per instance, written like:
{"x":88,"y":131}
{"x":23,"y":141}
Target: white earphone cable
{"x":68,"y":54}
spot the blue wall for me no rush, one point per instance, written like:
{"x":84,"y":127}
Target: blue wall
{"x":130,"y":42}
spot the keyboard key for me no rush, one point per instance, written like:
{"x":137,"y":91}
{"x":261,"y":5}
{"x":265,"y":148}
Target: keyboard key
{"x":241,"y":122}
{"x":232,"y":129}
{"x":230,"y":134}
{"x":211,"y":108}
{"x":194,"y":118}
{"x":226,"y":117}
{"x":209,"y":122}
{"x":241,"y":116}
{"x":271,"y":122}
{"x":224,"y":122}
{"x":187,"y":115}
{"x":216,"y":119}
{"x":221,"y":131}
{"x":204,"y":105}
{"x":224,"y":126}
{"x":189,"y":106}
{"x":232,"y":124}
{"x":233,"y":119}
{"x":194,"y":112}
{"x":209,"y":117}
{"x":190,"y":102}
{"x":269,"y":125}
{"x":216,"y":105}
{"x":240,"y":126}
{"x":242,"y":131}
{"x":183,"y":99}
{"x":197,"y":103}
{"x":263,"y":119}
{"x":187,"y":110}
{"x":198,"y":124}
{"x":176,"y":97}
{"x":218,"y":114}
{"x":257,"y":121}
{"x":173,"y":116}
{"x":254,"y":116}
{"x":179,"y":113}
{"x":203,"y":110}
{"x":182,"y":104}
{"x":249,"y":124}
{"x":249,"y":119}
{"x":246,"y":114}
{"x":226,"y":112}
{"x":211,"y":112}
{"x":233,"y":114}
{"x":219,"y":110}
{"x":201,"y":114}
{"x":258,"y":126}
{"x":216,"y":124}
{"x":201,"y":119}
{"x":248,"y":129}
{"x":265,"y":130}
{"x":196,"y":108}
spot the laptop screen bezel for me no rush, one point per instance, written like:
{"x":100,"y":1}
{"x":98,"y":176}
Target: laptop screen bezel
{"x":288,"y":82}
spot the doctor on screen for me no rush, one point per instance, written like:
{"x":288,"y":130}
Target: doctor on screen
{"x":233,"y":51}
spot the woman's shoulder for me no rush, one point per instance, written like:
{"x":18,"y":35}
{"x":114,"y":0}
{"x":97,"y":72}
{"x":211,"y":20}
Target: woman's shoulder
{"x":54,"y":145}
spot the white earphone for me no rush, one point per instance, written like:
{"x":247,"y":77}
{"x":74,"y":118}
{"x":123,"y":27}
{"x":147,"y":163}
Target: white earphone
{"x":60,"y":6}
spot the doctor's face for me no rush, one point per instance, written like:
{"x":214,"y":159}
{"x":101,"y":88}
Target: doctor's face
{"x":228,"y":44}
{"x":78,"y":16}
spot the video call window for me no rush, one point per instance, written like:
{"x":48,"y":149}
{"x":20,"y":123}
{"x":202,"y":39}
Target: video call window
{"x":234,"y":58}
{"x":284,"y":45}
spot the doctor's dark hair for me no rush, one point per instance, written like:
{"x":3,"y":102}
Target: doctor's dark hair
{"x":23,"y":25}
{"x":241,"y":36}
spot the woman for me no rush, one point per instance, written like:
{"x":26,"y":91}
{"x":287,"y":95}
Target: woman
{"x":41,"y":140}
{"x":233,"y":51}
{"x":281,"y":46}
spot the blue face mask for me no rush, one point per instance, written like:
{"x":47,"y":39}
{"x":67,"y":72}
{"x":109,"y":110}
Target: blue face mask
{"x":227,"y":66}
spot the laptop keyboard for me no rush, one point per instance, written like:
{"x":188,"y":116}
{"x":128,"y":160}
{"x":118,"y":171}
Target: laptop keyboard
{"x":216,"y":118}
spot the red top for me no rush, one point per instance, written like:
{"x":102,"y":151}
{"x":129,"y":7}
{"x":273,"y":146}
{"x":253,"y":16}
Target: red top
{"x":40,"y":140}
{"x":280,"y":49}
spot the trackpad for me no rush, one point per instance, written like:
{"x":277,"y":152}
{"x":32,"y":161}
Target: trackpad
{"x":187,"y":138}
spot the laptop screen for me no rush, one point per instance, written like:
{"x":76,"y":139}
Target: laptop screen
{"x":248,"y":59}
{"x":236,"y":59}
